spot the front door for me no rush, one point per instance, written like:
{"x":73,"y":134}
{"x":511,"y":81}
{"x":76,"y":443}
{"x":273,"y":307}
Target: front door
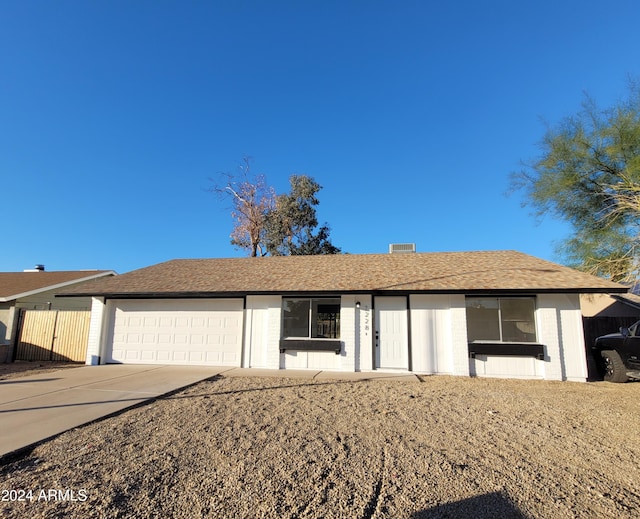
{"x":392,"y":345}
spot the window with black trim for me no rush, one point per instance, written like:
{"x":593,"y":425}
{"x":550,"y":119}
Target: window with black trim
{"x":311,"y":318}
{"x":501,"y":319}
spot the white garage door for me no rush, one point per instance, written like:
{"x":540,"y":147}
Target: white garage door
{"x":199,"y":332}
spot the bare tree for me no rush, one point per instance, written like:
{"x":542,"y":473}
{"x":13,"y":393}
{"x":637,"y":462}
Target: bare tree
{"x":251,"y":201}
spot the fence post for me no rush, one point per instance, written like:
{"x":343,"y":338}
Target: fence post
{"x":53,"y":335}
{"x":18,"y":319}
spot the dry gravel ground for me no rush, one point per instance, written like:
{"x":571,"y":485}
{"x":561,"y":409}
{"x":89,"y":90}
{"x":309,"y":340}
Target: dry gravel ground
{"x":282,"y":447}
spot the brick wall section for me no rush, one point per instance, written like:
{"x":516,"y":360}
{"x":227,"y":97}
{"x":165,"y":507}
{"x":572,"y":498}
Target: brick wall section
{"x":364,"y":340}
{"x":431,"y":334}
{"x":569,"y":331}
{"x":94,"y":343}
{"x":459,"y":335}
{"x":256,"y":330}
{"x":574,"y":350}
{"x":348,"y":333}
{"x":275,"y":324}
{"x":549,"y":335}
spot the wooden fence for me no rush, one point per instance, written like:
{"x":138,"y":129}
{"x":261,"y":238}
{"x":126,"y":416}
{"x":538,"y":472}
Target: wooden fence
{"x":53,"y":335}
{"x":594,"y":327}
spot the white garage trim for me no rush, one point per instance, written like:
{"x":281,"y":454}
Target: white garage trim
{"x":175,"y":331}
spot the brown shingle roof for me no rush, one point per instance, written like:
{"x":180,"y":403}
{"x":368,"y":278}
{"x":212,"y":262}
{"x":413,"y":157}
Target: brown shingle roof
{"x":629,"y":299}
{"x":16,"y":284}
{"x":413,"y":272}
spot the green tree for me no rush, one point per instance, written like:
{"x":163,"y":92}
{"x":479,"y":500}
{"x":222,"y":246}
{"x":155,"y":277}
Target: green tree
{"x":291,"y":225}
{"x":588,"y":174}
{"x":266,"y":223}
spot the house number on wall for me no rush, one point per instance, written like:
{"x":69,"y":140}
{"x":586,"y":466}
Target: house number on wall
{"x":366,"y":318}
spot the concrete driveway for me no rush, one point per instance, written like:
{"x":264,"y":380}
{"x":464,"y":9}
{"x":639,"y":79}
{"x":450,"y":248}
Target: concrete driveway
{"x":39,"y":407}
{"x":36,"y":408}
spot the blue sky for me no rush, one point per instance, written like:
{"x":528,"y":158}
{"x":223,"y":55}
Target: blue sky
{"x":411,"y":115}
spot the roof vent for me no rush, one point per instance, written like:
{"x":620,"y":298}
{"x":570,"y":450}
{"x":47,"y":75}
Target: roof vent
{"x":37,"y":268}
{"x":395,"y":248}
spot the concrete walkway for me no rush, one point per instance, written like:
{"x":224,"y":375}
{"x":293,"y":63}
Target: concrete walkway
{"x":39,"y":407}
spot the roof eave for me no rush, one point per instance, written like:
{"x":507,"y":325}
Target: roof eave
{"x":627,"y":302}
{"x":293,"y":293}
{"x":63,"y":284}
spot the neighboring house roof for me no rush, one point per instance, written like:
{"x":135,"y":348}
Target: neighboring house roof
{"x":628,"y":299}
{"x":14,"y":285}
{"x":449,"y":272}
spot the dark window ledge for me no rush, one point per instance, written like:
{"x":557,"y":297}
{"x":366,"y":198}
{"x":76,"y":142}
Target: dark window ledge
{"x":524,"y":349}
{"x":310,"y":345}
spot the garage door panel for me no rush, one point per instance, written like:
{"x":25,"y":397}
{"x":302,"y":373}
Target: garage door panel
{"x":148,"y":356}
{"x":132,"y":354}
{"x":197,"y":340}
{"x":213,"y":357}
{"x":149,"y":338}
{"x":177,"y":331}
{"x":179,"y":356}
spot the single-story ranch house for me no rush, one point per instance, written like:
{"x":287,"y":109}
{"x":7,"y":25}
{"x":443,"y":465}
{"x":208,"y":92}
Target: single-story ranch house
{"x":495,"y":313}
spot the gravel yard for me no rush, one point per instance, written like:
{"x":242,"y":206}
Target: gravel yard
{"x":284,"y":447}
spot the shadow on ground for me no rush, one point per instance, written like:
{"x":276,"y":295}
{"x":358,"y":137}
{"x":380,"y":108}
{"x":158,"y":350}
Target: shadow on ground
{"x":492,"y":505}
